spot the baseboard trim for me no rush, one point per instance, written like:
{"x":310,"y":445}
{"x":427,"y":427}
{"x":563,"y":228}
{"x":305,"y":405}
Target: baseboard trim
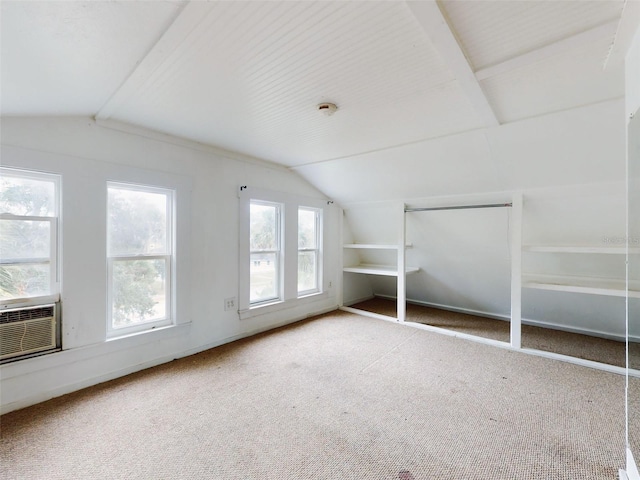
{"x":89,"y":382}
{"x":366,"y":313}
{"x":632,"y":472}
{"x":527,"y":321}
{"x":358,"y":300}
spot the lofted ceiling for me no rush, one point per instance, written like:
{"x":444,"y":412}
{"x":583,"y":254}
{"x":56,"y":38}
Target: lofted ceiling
{"x":247,"y":76}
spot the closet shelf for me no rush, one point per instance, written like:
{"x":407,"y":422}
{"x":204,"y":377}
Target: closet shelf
{"x":590,"y":285}
{"x":385,"y":270}
{"x":612,"y":250}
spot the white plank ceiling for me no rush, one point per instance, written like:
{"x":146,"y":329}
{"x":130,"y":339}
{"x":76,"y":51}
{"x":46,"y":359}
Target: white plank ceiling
{"x":247,"y":75}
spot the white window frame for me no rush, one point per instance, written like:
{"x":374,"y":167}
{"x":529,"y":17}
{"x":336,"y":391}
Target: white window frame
{"x":54,"y":252}
{"x":318,"y":250}
{"x":289,"y":247}
{"x":169,"y":259}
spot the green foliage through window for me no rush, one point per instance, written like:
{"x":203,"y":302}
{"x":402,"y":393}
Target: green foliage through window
{"x":138,"y":226}
{"x":28,"y":209}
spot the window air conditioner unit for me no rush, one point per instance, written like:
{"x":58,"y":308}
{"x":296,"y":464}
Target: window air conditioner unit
{"x":27,"y":330}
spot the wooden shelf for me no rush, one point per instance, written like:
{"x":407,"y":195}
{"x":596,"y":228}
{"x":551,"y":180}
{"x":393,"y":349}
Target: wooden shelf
{"x":618,"y":250}
{"x":590,"y":285}
{"x":384,"y":270}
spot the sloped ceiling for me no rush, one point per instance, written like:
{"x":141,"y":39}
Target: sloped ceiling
{"x":68,"y":58}
{"x":247,"y":76}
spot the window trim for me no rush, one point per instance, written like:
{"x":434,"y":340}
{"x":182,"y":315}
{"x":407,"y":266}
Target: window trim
{"x":54,"y":239}
{"x":289,"y":228}
{"x":170,"y":283}
{"x":317,"y":250}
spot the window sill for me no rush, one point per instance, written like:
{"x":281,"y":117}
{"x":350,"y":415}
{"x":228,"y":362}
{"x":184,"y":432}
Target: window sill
{"x":281,"y":305}
{"x":140,"y":330}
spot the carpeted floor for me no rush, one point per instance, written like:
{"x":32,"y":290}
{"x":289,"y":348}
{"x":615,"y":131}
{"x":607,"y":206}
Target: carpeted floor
{"x":339,"y":396}
{"x":572,"y":344}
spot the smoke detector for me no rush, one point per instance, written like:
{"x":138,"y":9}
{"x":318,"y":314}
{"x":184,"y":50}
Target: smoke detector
{"x":327,"y":108}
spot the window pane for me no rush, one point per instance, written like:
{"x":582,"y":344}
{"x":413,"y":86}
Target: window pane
{"x":25,"y":239}
{"x":307,"y":237}
{"x":137,"y":222}
{"x":27,"y":196}
{"x":263,"y":227}
{"x":307,"y":271}
{"x":25,"y":280}
{"x":139,"y":292}
{"x":263,"y":274}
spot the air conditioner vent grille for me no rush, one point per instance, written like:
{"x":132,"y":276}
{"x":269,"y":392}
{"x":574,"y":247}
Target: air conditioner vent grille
{"x":26,"y":331}
{"x":11,"y":316}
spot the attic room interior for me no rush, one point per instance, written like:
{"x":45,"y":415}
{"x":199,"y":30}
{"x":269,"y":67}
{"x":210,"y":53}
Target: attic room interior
{"x":320,"y":239}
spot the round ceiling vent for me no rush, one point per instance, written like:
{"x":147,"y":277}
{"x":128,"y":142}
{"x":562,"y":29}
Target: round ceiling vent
{"x":327,"y":108}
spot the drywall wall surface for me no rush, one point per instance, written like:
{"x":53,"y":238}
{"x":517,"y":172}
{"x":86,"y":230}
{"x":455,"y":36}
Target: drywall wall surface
{"x":87,"y":155}
{"x":355,"y":287}
{"x":632,"y":76}
{"x":579,"y":214}
{"x":375,"y":224}
{"x":586,"y":215}
{"x":464,"y":256}
{"x":574,"y":147}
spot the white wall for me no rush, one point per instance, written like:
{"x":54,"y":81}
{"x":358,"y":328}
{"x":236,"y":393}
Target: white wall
{"x":570,"y":168}
{"x":87,"y":155}
{"x":632,"y":76}
{"x":632,"y":105}
{"x":574,"y":147}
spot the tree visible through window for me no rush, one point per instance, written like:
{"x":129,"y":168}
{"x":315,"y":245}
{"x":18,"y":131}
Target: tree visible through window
{"x":281,"y":257}
{"x":28,"y":238}
{"x":139,"y":246}
{"x":264,"y":243}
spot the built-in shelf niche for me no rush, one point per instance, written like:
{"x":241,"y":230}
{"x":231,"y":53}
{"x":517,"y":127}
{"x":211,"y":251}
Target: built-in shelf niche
{"x":592,"y":285}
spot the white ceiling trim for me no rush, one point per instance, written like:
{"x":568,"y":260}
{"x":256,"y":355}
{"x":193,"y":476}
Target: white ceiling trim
{"x":437,"y":28}
{"x":542,"y":53}
{"x":185,"y":23}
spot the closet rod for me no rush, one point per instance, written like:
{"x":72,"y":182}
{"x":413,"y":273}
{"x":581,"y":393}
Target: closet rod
{"x":459,"y":207}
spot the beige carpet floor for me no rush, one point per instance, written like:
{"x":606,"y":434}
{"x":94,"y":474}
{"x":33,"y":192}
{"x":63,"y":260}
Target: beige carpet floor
{"x":576,"y":345}
{"x":339,"y":396}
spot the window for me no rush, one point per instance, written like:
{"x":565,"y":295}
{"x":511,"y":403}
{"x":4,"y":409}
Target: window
{"x":265,"y":255}
{"x":28,"y":234}
{"x":281,"y":256}
{"x":308,"y":250}
{"x":140,"y":255}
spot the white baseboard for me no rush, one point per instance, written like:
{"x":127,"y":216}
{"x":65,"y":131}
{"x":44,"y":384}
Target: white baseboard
{"x":632,"y":472}
{"x":525,"y":321}
{"x":105,"y":377}
{"x":366,"y":313}
{"x":357,"y":300}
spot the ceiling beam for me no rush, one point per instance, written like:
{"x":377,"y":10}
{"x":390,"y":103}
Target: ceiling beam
{"x":548,"y":51}
{"x":171,"y":42}
{"x":437,"y":28}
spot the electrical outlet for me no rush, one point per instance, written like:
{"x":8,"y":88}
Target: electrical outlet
{"x":230,"y":303}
